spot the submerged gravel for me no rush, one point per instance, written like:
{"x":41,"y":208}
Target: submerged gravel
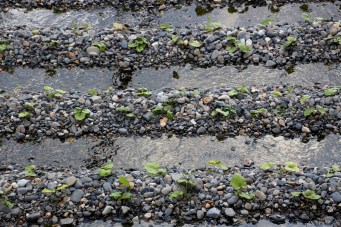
{"x":278,"y":110}
{"x":317,"y":41}
{"x":211,"y":199}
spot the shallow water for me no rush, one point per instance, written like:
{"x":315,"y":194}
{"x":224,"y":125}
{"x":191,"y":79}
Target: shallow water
{"x":133,"y":152}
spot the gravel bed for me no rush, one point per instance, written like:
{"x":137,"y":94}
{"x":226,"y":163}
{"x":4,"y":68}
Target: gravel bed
{"x":210,"y":199}
{"x":81,"y":46}
{"x":131,"y":5}
{"x":278,"y":110}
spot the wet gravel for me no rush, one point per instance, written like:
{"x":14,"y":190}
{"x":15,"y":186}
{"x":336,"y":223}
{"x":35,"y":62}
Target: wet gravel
{"x":278,"y":110}
{"x":83,"y":47}
{"x":211,"y":198}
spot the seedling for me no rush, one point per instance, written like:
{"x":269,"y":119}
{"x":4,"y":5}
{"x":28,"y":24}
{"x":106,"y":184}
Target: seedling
{"x":304,"y":98}
{"x":81,"y":113}
{"x":92,"y":91}
{"x":277,"y":93}
{"x":5,"y":200}
{"x":235,"y":45}
{"x":25,"y":114}
{"x":29,"y":171}
{"x":177,"y":40}
{"x":139,"y":44}
{"x":291,"y":41}
{"x":217,"y":164}
{"x":291,"y":167}
{"x":256,"y":113}
{"x":54,"y":93}
{"x":153,"y":168}
{"x":243,"y":89}
{"x":306,"y":17}
{"x":331,"y":91}
{"x":333,"y":170}
{"x":101,"y":46}
{"x":265,"y":22}
{"x":225,"y":113}
{"x":186,"y":183}
{"x":267,"y":165}
{"x":309,"y":194}
{"x":124,"y":183}
{"x":120,"y":196}
{"x":3,"y":47}
{"x":309,"y":111}
{"x":238,"y":182}
{"x":125,"y":110}
{"x":162,"y":111}
{"x":54,"y":43}
{"x":143,"y":92}
{"x":176,"y":195}
{"x":105,"y":170}
{"x":194,"y":43}
{"x":166,"y":27}
{"x":60,"y":188}
{"x":212,"y":26}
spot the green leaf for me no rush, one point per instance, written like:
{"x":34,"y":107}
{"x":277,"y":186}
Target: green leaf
{"x":231,"y":38}
{"x":306,"y":17}
{"x":307,"y":112}
{"x":232,"y":93}
{"x":243,"y":48}
{"x":126,"y":196}
{"x":60,"y":91}
{"x":277,"y":93}
{"x":309,"y":194}
{"x":30,"y":173}
{"x":267,"y":165}
{"x":92,"y":92}
{"x":304,"y":98}
{"x":291,"y":166}
{"x":266,"y":22}
{"x":152,"y":168}
{"x":296,"y":194}
{"x":194,"y":43}
{"x":166,"y":27}
{"x":222,"y":167}
{"x":130,"y":115}
{"x":291,"y":40}
{"x":170,"y":115}
{"x":330,"y":92}
{"x":107,"y":166}
{"x":246,"y":195}
{"x":176,"y":194}
{"x":231,"y":49}
{"x":186,"y":183}
{"x":30,"y":168}
{"x":175,"y":38}
{"x":238,"y":181}
{"x":321,"y":110}
{"x":8,"y":203}
{"x":62,"y":187}
{"x":48,"y":88}
{"x":335,"y":169}
{"x":214,"y":162}
{"x":48,"y":191}
{"x":224,"y":113}
{"x":243,"y":89}
{"x":80,"y":116}
{"x":24,"y":114}
{"x":124,"y":181}
{"x":116,"y":195}
{"x":104,"y":172}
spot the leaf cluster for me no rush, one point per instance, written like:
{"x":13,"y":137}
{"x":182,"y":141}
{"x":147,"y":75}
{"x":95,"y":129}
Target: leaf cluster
{"x":139,"y":44}
{"x":309,"y":194}
{"x":239,"y":183}
{"x":29,"y":171}
{"x":81,"y":113}
{"x":218,"y":164}
{"x":105,"y":170}
{"x":54,"y":93}
{"x":153,"y":168}
{"x":143,"y":92}
{"x":101,"y":46}
{"x":291,"y":167}
{"x":235,"y":44}
{"x":225,"y":112}
{"x":164,"y":110}
{"x":291,"y":41}
{"x":60,"y":188}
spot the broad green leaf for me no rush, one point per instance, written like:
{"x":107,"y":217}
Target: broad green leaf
{"x":295,"y":194}
{"x":321,"y":110}
{"x":194,"y":43}
{"x":170,"y":115}
{"x":214,"y":162}
{"x":62,"y":187}
{"x":30,"y":168}
{"x":48,"y":88}
{"x":80,"y":116}
{"x":104,"y":172}
{"x":233,"y":92}
{"x":48,"y":191}
{"x":224,"y":113}
{"x":166,"y":27}
{"x":222,"y":167}
{"x":8,"y":203}
{"x":238,"y":181}
{"x":116,"y":195}
{"x":243,"y":48}
{"x":266,"y":21}
{"x":267,"y":165}
{"x":231,"y":49}
{"x":124,"y":181}
{"x":186,"y":183}
{"x":291,"y":166}
{"x":307,"y":112}
{"x":330,"y":91}
{"x":126,"y":196}
{"x":175,"y":38}
{"x":242,"y":88}
{"x":246,"y":195}
{"x":309,"y":194}
{"x":24,"y":114}
{"x":107,"y":166}
{"x":304,"y":98}
{"x":277,"y":93}
{"x":306,"y":17}
{"x":152,"y":168}
{"x":92,"y":92}
{"x":60,"y":91}
{"x":176,"y":194}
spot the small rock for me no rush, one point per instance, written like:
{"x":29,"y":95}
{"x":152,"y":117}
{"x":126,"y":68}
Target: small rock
{"x":71,"y":180}
{"x":230,"y":212}
{"x":200,"y":214}
{"x":77,"y":195}
{"x":213,"y":213}
{"x":66,"y":222}
{"x":336,"y":196}
{"x":125,"y":209}
{"x":107,"y":210}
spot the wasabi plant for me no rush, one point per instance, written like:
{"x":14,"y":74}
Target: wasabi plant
{"x":143,"y":92}
{"x":81,"y":113}
{"x":177,"y":194}
{"x":291,"y":167}
{"x":60,"y":188}
{"x":28,"y":170}
{"x":256,"y":113}
{"x":194,"y":43}
{"x":162,"y":111}
{"x":101,"y":46}
{"x":4,"y":199}
{"x":332,"y":171}
{"x":267,"y":165}
{"x":124,"y":185}
{"x":139,"y":44}
{"x":105,"y":170}
{"x":238,"y":182}
{"x":332,"y":91}
{"x":128,"y":112}
{"x":92,"y":92}
{"x":166,"y":27}
{"x":25,"y":114}
{"x":309,"y":194}
{"x":54,"y":93}
{"x":310,"y":110}
{"x":306,"y":17}
{"x":291,"y":41}
{"x":265,"y":22}
{"x":235,"y":44}
{"x":177,"y":40}
{"x":3,"y":47}
{"x":277,"y":93}
{"x":212,"y":26}
{"x":153,"y":169}
{"x":304,"y":98}
{"x":217,"y":164}
{"x":225,"y":112}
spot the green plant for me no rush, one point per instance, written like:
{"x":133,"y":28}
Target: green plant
{"x":92,"y":91}
{"x":242,"y":88}
{"x":306,"y":17}
{"x":54,"y":43}
{"x":81,"y":113}
{"x":238,"y":182}
{"x":226,"y":112}
{"x":162,"y":111}
{"x":332,"y":170}
{"x":25,"y":114}
{"x":60,"y":188}
{"x":304,"y":98}
{"x":29,"y":171}
{"x":212,"y":26}
{"x":291,"y":41}
{"x":143,"y":92}
{"x":265,"y":22}
{"x":105,"y":170}
{"x":176,"y":195}
{"x":153,"y":168}
{"x":186,"y":183}
{"x":54,"y":93}
{"x":308,"y":111}
{"x":194,"y":43}
{"x":256,"y":113}
{"x":291,"y":167}
{"x":139,"y":44}
{"x":126,"y":110}
{"x":277,"y":93}
{"x":177,"y":40}
{"x":217,"y":163}
{"x":234,"y":45}
{"x":74,"y":25}
{"x":167,"y":27}
{"x":267,"y":165}
{"x":124,"y":182}
{"x":309,"y":194}
{"x":331,"y":91}
{"x":5,"y":200}
{"x":3,"y":47}
{"x":101,"y":46}
{"x":119,"y":195}
{"x":232,"y":93}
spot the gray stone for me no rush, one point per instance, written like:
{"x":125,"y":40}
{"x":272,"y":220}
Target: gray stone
{"x":96,"y":99}
{"x":200,"y":214}
{"x":77,"y":195}
{"x":107,"y":187}
{"x":233,"y":200}
{"x":71,"y":180}
{"x":125,"y":209}
{"x":213,"y":213}
{"x":230,"y":212}
{"x":336,"y":196}
{"x":66,"y":221}
{"x":22,"y":182}
{"x":215,"y":54}
{"x":107,"y":210}
{"x":92,"y":51}
{"x":270,"y":63}
{"x":166,"y":190}
{"x":260,"y":195}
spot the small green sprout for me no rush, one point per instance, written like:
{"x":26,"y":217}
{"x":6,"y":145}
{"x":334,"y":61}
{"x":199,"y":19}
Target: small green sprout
{"x":162,"y":111}
{"x":267,"y":165}
{"x":291,"y":41}
{"x":242,"y":88}
{"x":176,"y":195}
{"x":105,"y":170}
{"x":153,"y":168}
{"x":119,"y":195}
{"x":5,"y":200}
{"x":139,"y":44}
{"x":218,"y":163}
{"x":232,"y":93}
{"x":60,"y":188}
{"x":239,"y":183}
{"x":53,"y":93}
{"x":235,"y":45}
{"x":304,"y":98}
{"x":265,"y":22}
{"x":212,"y":26}
{"x":92,"y":91}
{"x":333,"y":170}
{"x":3,"y":47}
{"x":166,"y":27}
{"x":25,"y":114}
{"x":126,"y":110}
{"x":29,"y":171}
{"x":306,"y":17}
{"x":277,"y":93}
{"x":226,"y":112}
{"x":308,"y":111}
{"x":257,"y":112}
{"x":101,"y":46}
{"x":291,"y":167}
{"x":143,"y":92}
{"x":81,"y":113}
{"x":194,"y":43}
{"x":309,"y":194}
{"x":330,"y":91}
{"x":186,"y":183}
{"x":124,"y":182}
